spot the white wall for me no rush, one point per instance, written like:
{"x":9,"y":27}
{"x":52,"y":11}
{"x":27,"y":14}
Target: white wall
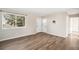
{"x":18,"y":32}
{"x":58,"y":28}
{"x":67,"y":26}
{"x":0,"y":25}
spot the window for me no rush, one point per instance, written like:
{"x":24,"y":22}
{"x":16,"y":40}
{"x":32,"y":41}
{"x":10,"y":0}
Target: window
{"x":13,"y":21}
{"x":74,"y":24}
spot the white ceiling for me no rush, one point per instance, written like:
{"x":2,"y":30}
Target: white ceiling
{"x":40,"y":11}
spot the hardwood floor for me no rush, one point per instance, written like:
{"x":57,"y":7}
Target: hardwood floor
{"x":39,"y":41}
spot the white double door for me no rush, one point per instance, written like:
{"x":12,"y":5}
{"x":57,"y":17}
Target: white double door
{"x":41,"y":25}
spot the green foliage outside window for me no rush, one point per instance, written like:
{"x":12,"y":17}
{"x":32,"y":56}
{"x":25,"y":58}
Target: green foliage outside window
{"x":14,"y":20}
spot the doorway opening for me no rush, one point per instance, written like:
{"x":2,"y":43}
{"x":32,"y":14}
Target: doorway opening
{"x":74,"y":27}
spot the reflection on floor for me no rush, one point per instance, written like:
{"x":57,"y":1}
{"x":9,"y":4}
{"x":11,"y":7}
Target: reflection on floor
{"x":41,"y":41}
{"x":73,"y":40}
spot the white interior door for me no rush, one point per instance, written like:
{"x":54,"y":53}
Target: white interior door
{"x":44,"y":25}
{"x":39,"y":25}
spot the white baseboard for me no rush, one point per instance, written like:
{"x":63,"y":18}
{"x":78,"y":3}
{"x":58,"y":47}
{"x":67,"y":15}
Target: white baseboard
{"x":30,"y":34}
{"x":16,"y":37}
{"x":57,"y":35}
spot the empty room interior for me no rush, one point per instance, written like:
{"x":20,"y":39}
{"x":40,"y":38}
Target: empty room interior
{"x":39,"y":28}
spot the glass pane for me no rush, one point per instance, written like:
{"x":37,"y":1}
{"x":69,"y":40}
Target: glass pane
{"x":74,"y":24}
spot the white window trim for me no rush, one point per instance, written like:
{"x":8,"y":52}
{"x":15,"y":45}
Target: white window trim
{"x":16,"y":15}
